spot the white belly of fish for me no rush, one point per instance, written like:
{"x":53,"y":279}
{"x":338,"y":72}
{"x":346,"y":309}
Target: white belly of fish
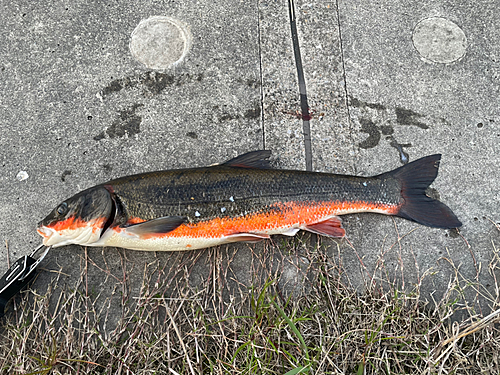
{"x":157,"y":244}
{"x":126,"y":240}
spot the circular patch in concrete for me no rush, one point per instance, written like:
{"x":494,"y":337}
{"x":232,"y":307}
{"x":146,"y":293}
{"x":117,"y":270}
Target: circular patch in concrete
{"x":439,"y":40}
{"x":160,"y":42}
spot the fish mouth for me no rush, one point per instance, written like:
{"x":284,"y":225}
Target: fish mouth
{"x":83,"y":235}
{"x":46,"y":233}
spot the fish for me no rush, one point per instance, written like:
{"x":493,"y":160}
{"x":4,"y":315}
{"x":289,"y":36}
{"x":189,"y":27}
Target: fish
{"x":243,"y":199}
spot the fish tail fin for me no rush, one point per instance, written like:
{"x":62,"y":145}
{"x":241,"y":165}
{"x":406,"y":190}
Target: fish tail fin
{"x":415,"y":178}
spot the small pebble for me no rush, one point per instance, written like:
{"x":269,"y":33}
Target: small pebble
{"x":22,"y":175}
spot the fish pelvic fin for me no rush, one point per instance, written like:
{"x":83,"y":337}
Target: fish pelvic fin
{"x":415,"y":178}
{"x":161,"y":225}
{"x":254,"y":159}
{"x":330,"y":228}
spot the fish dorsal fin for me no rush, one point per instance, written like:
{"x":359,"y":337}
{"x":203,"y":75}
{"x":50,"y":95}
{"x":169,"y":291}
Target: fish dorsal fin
{"x":157,"y":226}
{"x":254,"y":159}
{"x":331,"y":227}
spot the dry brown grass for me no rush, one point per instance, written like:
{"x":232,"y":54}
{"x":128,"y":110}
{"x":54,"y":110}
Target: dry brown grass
{"x":71,"y":329}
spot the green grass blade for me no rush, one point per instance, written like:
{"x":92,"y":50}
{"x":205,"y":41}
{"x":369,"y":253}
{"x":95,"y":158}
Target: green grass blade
{"x":298,"y":370}
{"x":294,"y":329}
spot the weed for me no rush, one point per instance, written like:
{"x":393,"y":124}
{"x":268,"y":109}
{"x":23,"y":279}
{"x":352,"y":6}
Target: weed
{"x":163,"y":323}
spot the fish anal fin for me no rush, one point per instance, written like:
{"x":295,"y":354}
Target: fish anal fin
{"x":245,"y":237}
{"x":161,"y":225}
{"x":254,"y":159}
{"x":331,"y":227}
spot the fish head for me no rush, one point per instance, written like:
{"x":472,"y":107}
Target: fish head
{"x":80,"y":220}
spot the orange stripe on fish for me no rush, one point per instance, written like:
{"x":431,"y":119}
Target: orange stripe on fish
{"x":279,"y":215}
{"x":135,"y":220}
{"x":72,"y":223}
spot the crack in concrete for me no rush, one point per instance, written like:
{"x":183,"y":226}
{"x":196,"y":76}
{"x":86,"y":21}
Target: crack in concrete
{"x":302,"y":86}
{"x":261,"y":79}
{"x":345,"y":84}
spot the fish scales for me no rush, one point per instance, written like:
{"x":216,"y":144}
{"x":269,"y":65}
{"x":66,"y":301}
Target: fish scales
{"x":207,"y":191}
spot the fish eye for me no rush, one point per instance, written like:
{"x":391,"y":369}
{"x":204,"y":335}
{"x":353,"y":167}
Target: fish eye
{"x":62,"y":209}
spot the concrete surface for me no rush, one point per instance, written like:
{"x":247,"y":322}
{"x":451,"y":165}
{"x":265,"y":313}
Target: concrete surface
{"x":78,"y":109}
{"x":427,"y":108}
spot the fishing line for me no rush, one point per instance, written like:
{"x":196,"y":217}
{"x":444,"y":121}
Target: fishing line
{"x":304,"y":106}
{"x":302,"y":86}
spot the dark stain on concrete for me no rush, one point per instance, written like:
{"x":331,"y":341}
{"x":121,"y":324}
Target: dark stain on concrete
{"x":403,"y":155}
{"x":253,"y":83}
{"x":127,"y":123}
{"x":453,"y":233}
{"x":114,"y":86}
{"x":375,"y":134}
{"x":64,"y":174}
{"x":253,"y":113}
{"x":387,"y":130}
{"x":361,"y":104}
{"x":192,"y":135}
{"x":156,"y":83}
{"x":368,"y":127}
{"x":228,"y":117}
{"x":444,"y":121}
{"x":408,"y":117}
{"x":152,"y":82}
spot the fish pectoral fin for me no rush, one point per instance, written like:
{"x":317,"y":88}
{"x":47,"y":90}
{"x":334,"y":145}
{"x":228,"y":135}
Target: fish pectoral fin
{"x":255,"y":159}
{"x":245,"y":237}
{"x":331,"y":228}
{"x":160,"y":225}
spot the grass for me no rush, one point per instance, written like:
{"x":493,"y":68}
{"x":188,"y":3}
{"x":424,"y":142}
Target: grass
{"x":167,"y":324}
